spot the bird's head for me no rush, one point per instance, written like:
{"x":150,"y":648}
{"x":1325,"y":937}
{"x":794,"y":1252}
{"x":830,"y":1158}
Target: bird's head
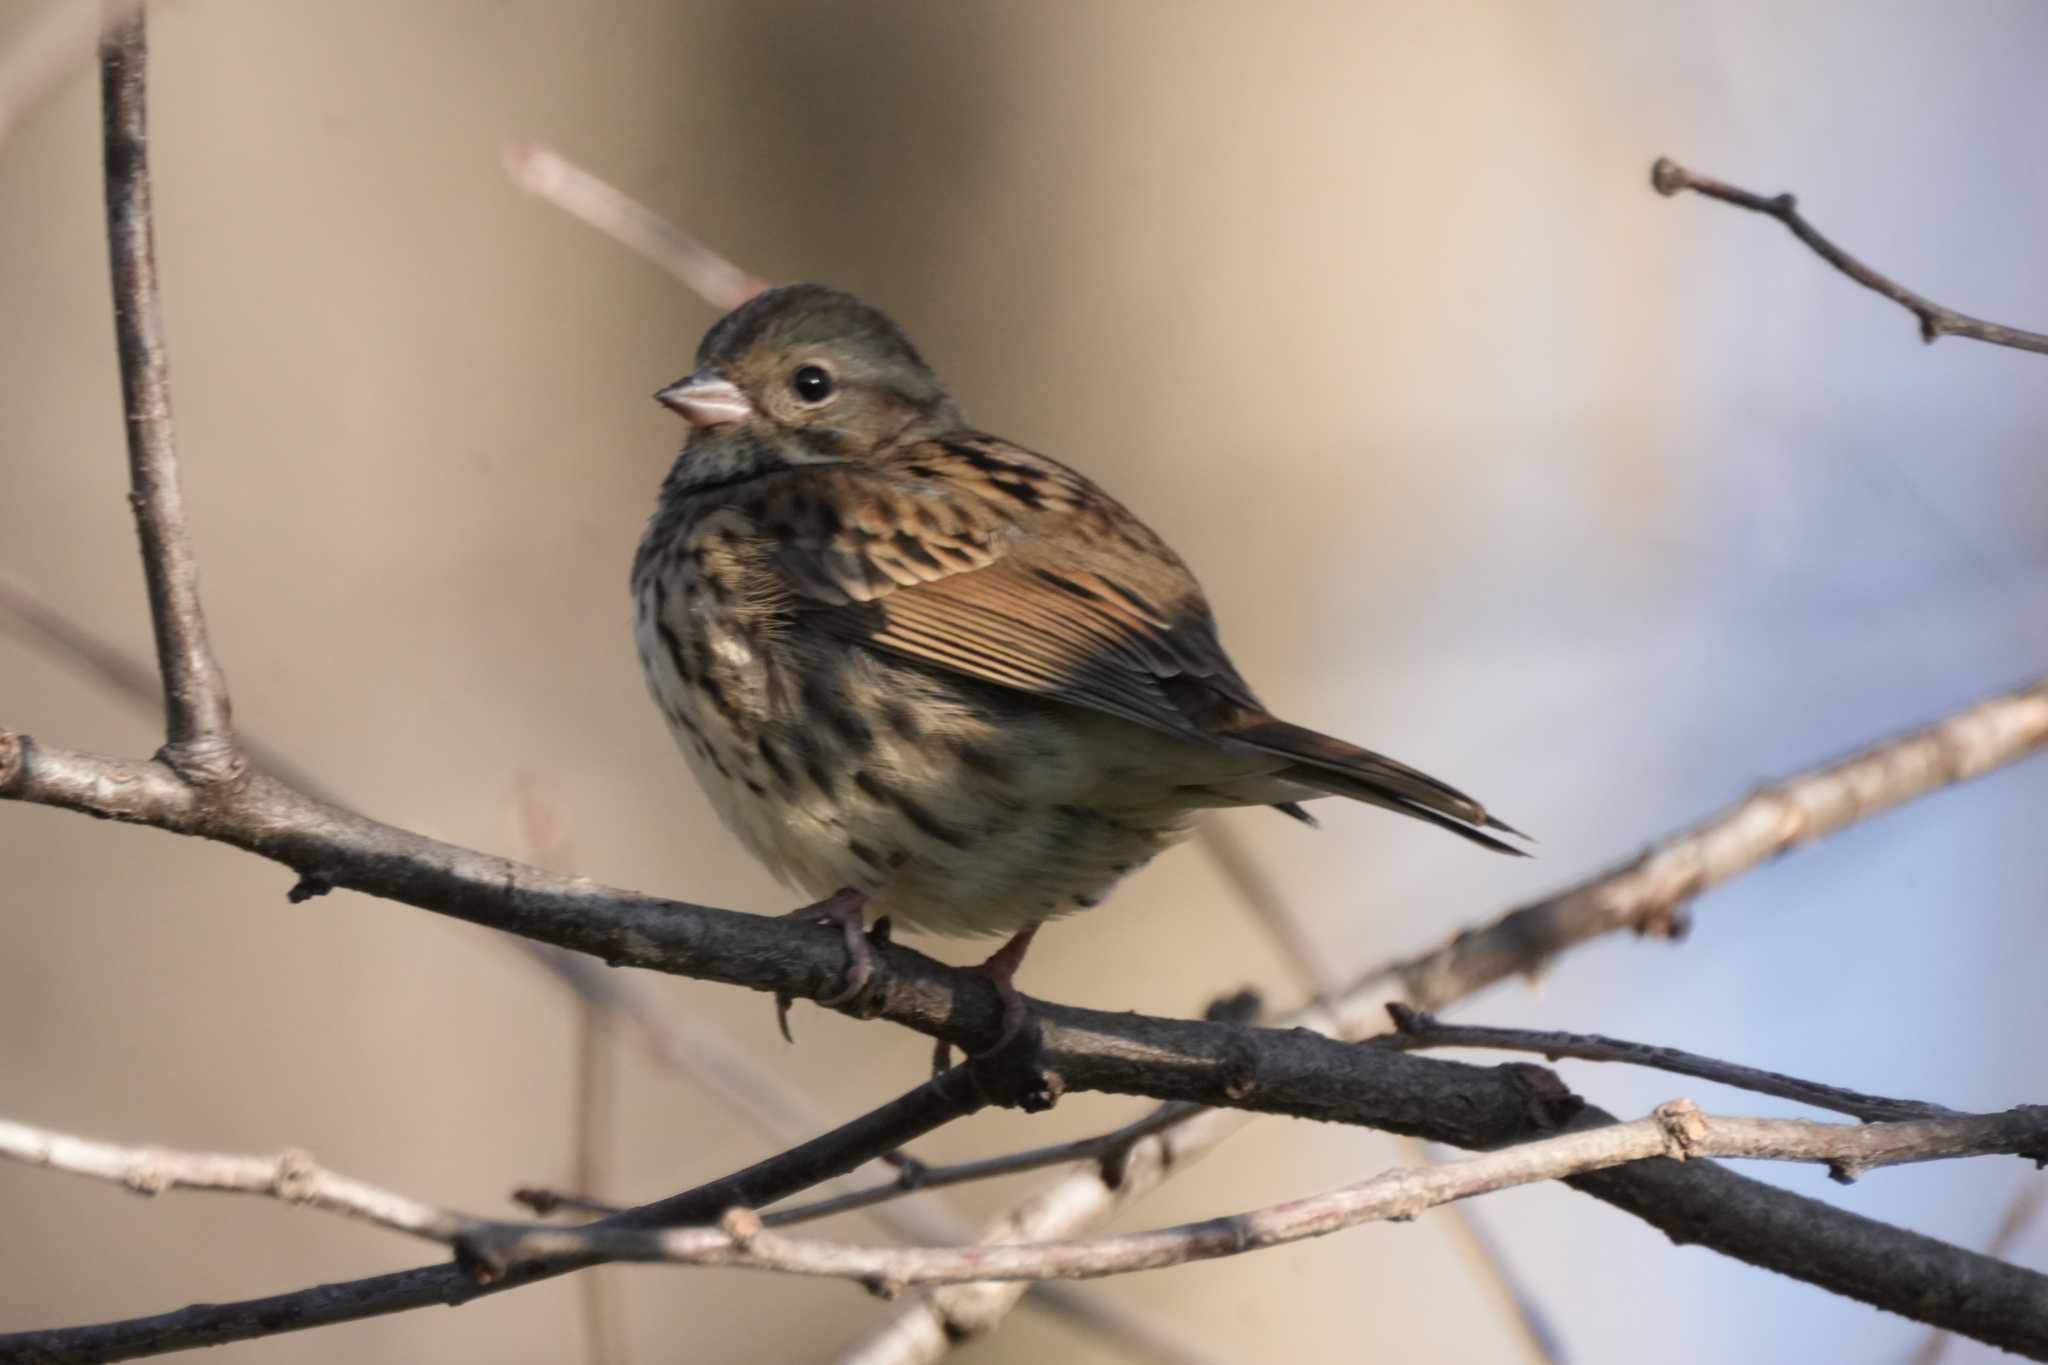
{"x":800,"y":375}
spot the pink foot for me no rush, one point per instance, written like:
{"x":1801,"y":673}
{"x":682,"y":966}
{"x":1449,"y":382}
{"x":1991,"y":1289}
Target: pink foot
{"x":1001,"y":970}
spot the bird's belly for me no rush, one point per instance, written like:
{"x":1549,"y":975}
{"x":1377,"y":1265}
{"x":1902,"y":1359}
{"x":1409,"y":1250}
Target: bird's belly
{"x":960,"y":811}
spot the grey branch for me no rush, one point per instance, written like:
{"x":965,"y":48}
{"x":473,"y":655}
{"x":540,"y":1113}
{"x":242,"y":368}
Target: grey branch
{"x":1936,"y":320}
{"x":1415,"y":1029}
{"x":291,"y":1176}
{"x":199,"y":742}
{"x":1678,"y":1131}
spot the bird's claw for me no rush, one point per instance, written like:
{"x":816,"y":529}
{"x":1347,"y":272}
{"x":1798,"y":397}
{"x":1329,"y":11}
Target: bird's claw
{"x":844,"y":909}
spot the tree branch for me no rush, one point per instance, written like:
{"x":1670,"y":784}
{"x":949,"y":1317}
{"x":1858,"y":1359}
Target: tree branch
{"x":199,"y":740}
{"x":1415,"y":1029}
{"x":1936,"y":320}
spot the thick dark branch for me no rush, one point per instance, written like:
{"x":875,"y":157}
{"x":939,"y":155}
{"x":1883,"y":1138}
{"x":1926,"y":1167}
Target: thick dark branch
{"x":1293,"y":1072}
{"x":1936,"y":320}
{"x":1415,"y":1029}
{"x":199,"y":740}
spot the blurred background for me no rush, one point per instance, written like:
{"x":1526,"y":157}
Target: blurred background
{"x":1603,"y":506}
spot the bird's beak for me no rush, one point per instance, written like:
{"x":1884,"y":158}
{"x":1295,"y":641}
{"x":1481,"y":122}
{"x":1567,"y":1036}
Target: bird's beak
{"x":705,"y":400}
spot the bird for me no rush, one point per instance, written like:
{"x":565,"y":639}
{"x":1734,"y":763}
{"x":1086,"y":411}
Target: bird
{"x":924,"y":673}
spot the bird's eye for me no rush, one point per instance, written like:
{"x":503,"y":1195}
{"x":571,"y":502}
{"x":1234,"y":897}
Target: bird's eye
{"x":811,"y":383}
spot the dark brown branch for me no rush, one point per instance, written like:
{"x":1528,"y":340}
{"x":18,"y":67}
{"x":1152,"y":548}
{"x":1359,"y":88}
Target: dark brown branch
{"x":199,"y":740}
{"x":1415,"y":1029}
{"x":1936,"y":320}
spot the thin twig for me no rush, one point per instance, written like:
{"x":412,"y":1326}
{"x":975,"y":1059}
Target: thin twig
{"x":1415,"y":1029}
{"x":199,"y":740}
{"x":2020,"y":1212}
{"x":545,"y":841}
{"x":1936,"y":320}
{"x":547,"y":175}
{"x":1105,"y":1147}
{"x":291,"y":1176}
{"x":1257,"y":894}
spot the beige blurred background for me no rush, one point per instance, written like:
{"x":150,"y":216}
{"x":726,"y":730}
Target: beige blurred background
{"x":1604,"y":506}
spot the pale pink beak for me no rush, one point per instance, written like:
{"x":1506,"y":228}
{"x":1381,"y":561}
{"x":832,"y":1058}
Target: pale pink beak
{"x":705,"y":400}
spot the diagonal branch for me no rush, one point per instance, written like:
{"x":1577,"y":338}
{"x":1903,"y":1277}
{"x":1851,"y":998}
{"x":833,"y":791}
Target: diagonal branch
{"x":1414,"y":1029}
{"x":1936,"y":320}
{"x":581,"y":195}
{"x":199,"y":740}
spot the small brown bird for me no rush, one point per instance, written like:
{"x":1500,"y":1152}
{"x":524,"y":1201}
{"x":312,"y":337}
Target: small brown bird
{"x":926,"y":673}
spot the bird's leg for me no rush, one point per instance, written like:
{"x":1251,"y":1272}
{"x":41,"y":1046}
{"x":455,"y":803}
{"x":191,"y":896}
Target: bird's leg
{"x":1001,"y":970}
{"x":844,"y":908}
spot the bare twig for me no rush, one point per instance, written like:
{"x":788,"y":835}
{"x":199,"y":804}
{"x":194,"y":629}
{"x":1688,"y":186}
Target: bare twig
{"x":547,"y":175}
{"x":1415,"y":1029}
{"x":1107,"y":1147}
{"x":291,"y":1176}
{"x":199,"y":741}
{"x":1268,"y":908}
{"x":1936,"y":320}
{"x":1645,"y":894}
{"x":2020,"y":1212}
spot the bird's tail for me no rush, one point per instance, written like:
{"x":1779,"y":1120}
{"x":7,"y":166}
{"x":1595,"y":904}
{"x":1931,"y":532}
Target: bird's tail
{"x":1331,"y":765}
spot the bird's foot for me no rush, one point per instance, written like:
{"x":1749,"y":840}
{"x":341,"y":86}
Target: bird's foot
{"x":1001,"y":971}
{"x":845,"y":909}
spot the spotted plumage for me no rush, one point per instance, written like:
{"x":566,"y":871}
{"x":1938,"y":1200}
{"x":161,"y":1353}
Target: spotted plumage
{"x":914,"y":660}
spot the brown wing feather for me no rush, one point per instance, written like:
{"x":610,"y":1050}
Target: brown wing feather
{"x":988,"y":560}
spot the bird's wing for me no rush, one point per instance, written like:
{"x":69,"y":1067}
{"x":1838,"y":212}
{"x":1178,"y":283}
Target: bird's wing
{"x":984,"y":559}
{"x":980,"y":558}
